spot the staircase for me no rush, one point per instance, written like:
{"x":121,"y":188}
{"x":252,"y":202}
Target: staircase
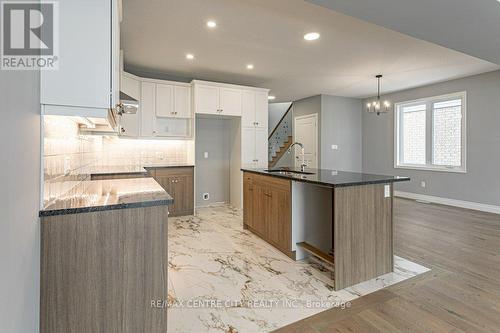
{"x":281,"y":138}
{"x":280,"y":152}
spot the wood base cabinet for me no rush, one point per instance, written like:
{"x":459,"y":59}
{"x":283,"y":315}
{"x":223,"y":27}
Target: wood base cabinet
{"x":100,"y":271}
{"x":179,"y":183}
{"x":267,"y":210}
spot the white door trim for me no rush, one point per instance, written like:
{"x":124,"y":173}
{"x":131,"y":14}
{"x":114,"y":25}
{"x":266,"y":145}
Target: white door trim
{"x":315,"y":116}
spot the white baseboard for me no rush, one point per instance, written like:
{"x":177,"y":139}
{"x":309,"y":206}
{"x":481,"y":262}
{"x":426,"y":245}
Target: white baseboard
{"x":213,"y":204}
{"x":449,"y":202}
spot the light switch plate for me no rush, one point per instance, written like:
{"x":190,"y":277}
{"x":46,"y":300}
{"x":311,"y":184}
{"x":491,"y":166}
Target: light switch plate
{"x":205,"y":154}
{"x":387,"y":191}
{"x":335,"y":147}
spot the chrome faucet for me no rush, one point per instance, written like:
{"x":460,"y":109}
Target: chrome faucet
{"x":302,"y":152}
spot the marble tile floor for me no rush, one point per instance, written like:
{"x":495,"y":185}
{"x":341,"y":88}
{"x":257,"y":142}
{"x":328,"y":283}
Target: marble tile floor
{"x":225,"y":279}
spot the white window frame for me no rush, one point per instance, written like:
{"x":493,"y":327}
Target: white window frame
{"x":429,"y":101}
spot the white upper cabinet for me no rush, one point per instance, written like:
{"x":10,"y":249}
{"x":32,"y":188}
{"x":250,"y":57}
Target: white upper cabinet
{"x":217,"y":98}
{"x":130,"y":123}
{"x":261,"y":109}
{"x":254,"y":112}
{"x":131,"y":85}
{"x":87,"y":81}
{"x":165,"y":100}
{"x":165,"y":109}
{"x":116,"y":16}
{"x":206,"y":99}
{"x":173,"y":101}
{"x":230,"y":101}
{"x":248,"y":108}
{"x":182,"y":102}
{"x":147,"y":105}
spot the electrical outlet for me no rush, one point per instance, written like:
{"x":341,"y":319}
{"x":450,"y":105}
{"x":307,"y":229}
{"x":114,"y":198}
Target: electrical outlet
{"x":423,"y":184}
{"x":387,"y":191}
{"x":335,"y":147}
{"x":205,"y":154}
{"x":206,"y":196}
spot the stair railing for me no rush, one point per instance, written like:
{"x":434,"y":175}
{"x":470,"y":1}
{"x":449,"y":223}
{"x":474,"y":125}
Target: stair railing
{"x":280,"y":134}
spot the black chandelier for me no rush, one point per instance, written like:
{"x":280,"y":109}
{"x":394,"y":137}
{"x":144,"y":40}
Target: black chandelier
{"x":378,"y":106}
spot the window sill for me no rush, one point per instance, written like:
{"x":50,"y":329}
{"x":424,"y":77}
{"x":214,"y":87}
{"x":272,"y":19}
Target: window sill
{"x":430,"y":168}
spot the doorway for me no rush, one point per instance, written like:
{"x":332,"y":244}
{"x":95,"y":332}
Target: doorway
{"x":306,"y":132}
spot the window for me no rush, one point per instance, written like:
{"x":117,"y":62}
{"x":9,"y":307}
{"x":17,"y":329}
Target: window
{"x":430,"y":133}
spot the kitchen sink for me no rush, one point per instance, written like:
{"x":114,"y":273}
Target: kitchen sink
{"x":289,"y":172}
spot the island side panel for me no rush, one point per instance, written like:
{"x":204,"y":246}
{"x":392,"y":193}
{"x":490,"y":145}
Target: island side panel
{"x":100,"y":271}
{"x":363,"y":233}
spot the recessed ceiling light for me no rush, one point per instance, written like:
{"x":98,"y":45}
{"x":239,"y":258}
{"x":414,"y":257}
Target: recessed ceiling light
{"x":189,"y":56}
{"x":249,"y":66}
{"x":271,"y":97}
{"x":211,"y":24}
{"x":311,"y":36}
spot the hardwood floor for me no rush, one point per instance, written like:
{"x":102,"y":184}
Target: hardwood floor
{"x":460,"y":294}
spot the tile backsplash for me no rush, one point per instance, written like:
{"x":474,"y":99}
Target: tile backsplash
{"x":132,"y":152}
{"x":69,"y":156}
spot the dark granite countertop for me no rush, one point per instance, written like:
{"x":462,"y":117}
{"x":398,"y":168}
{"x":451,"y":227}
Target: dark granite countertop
{"x":127,"y":169}
{"x":331,"y":178}
{"x":99,"y":195}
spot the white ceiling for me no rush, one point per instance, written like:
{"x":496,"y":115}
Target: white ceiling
{"x":469,"y":26}
{"x":157,"y":34}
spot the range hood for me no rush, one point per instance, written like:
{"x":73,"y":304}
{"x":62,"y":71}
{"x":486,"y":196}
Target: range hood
{"x":128,"y":104}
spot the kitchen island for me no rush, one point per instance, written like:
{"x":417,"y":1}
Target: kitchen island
{"x":343,"y":218}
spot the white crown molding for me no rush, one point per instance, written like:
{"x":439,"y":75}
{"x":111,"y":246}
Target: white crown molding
{"x":449,"y":202}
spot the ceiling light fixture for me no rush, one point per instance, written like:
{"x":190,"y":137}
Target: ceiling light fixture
{"x":211,"y":24}
{"x":271,"y":97}
{"x":189,"y":56}
{"x":249,"y":66}
{"x":376,"y":106}
{"x":311,"y":36}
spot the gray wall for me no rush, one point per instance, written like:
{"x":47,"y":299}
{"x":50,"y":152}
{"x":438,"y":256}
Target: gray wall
{"x":341,"y":125}
{"x":340,"y":120}
{"x":19,"y":201}
{"x":276,"y":111}
{"x":307,"y":106}
{"x":481,"y":183}
{"x":212,"y":173}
